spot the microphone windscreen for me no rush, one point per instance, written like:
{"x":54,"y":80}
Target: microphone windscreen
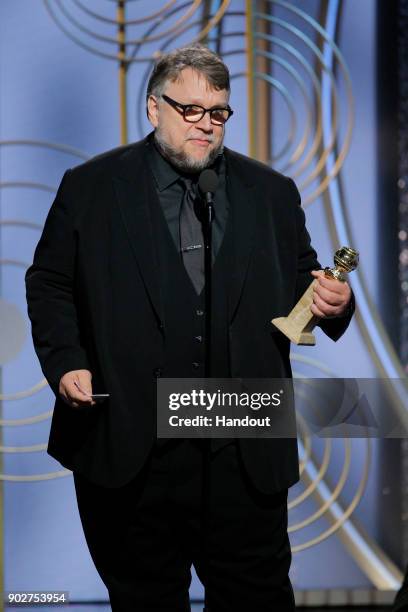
{"x":208,"y":181}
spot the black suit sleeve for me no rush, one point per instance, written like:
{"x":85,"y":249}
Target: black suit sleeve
{"x":50,"y":294}
{"x":307,"y":261}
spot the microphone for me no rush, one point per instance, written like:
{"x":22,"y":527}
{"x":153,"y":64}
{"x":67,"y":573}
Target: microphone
{"x":207,"y":184}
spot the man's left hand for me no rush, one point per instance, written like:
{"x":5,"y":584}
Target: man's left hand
{"x":330,"y":296}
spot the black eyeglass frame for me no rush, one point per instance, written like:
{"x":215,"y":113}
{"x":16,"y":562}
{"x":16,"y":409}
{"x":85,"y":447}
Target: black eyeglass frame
{"x":183,"y":107}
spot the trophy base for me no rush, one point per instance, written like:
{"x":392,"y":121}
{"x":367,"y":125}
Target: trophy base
{"x":295,"y":335}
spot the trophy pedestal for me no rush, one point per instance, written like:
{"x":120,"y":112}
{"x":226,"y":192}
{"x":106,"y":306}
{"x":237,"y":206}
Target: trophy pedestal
{"x":298,"y":325}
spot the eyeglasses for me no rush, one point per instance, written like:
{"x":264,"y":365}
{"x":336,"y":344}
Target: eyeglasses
{"x":194,"y":113}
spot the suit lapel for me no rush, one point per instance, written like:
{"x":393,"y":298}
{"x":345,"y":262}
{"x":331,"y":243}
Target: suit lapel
{"x":136,"y":197}
{"x":240,"y":193}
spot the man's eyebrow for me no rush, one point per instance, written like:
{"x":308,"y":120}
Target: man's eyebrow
{"x":220,"y":105}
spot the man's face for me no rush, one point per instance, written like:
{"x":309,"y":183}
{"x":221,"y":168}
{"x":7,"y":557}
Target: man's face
{"x":189,"y":146}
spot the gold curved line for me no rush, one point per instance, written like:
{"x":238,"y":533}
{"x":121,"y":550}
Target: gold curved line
{"x":346,"y":145}
{"x":156,"y":54}
{"x":327,"y":452}
{"x":307,"y":446}
{"x":320,"y":475}
{"x":336,"y":492}
{"x":302,"y":145}
{"x":18,"y":223}
{"x":27,"y":185}
{"x":110,"y":56}
{"x":76,"y":40}
{"x":34,"y":448}
{"x":14,"y":262}
{"x":319,"y":132}
{"x":44,"y":416}
{"x":341,"y":155}
{"x":331,"y":175}
{"x":300,"y":421}
{"x":315,"y":83}
{"x":213,"y":21}
{"x":346,"y":514}
{"x":169,"y":4}
{"x":7,"y":397}
{"x":134,"y":41}
{"x":202,"y":34}
{"x":286,"y":97}
{"x":331,"y":146}
{"x":308,"y":121}
{"x":326,"y":151}
{"x":55,"y":146}
{"x":35,"y":477}
{"x":283,"y":91}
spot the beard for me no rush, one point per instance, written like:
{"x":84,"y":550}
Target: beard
{"x":181,"y":160}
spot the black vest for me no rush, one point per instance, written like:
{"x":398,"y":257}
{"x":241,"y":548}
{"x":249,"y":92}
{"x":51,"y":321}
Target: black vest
{"x":184,"y":311}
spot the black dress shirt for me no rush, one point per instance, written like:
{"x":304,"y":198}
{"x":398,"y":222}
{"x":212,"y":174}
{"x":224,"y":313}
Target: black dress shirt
{"x":170,"y":192}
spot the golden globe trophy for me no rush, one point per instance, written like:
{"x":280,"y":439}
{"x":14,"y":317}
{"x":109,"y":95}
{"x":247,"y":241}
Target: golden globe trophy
{"x":299,"y":324}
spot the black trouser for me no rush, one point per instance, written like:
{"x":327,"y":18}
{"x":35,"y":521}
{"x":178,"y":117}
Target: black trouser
{"x":189,"y":506}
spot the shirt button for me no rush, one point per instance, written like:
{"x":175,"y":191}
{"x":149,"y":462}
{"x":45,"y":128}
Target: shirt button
{"x":157,"y":372}
{"x":196,"y":365}
{"x":199,"y":312}
{"x":198,"y":338}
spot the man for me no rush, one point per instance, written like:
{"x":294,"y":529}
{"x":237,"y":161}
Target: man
{"x":116,"y":300}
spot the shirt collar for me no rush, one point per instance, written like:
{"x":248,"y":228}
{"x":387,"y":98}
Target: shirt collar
{"x":163,"y":172}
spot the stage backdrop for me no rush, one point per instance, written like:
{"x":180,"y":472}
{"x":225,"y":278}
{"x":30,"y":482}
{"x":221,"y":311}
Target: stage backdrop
{"x":73,"y":80}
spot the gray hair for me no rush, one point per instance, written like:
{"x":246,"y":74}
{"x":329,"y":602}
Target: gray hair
{"x":199,"y":58}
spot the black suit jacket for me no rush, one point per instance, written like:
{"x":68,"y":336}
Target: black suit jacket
{"x":94,"y":300}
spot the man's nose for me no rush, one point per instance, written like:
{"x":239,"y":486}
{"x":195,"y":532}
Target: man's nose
{"x":205,"y":123}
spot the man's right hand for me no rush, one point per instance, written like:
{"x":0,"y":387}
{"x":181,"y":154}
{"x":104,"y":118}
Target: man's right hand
{"x":74,"y":387}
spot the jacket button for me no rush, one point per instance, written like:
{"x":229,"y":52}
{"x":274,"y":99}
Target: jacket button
{"x":161,"y":326}
{"x":196,"y":365}
{"x":157,"y":372}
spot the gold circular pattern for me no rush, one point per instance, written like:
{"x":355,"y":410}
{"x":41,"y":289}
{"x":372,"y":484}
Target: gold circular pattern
{"x":36,"y":388}
{"x":313,"y":476}
{"x":308,"y":157}
{"x":69,"y":14}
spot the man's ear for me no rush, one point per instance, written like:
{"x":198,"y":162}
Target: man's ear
{"x":153,"y":111}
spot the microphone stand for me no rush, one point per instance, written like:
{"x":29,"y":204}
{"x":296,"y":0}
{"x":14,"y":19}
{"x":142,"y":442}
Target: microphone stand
{"x":207,"y":232}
